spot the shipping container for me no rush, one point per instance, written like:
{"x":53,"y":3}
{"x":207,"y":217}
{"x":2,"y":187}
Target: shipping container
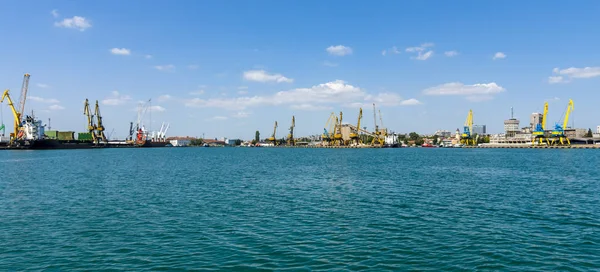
{"x":84,"y":136}
{"x":51,"y":134}
{"x":66,"y":135}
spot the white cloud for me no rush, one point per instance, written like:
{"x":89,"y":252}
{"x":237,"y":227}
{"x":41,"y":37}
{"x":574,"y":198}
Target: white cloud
{"x":76,"y":22}
{"x":198,"y":92}
{"x":330,"y":64}
{"x":410,"y":102}
{"x":423,"y":53}
{"x":263,"y":76}
{"x":242,"y":88}
{"x":116,"y":99}
{"x":499,"y":55}
{"x":42,"y":85}
{"x":193,"y":66}
{"x":164,"y":97}
{"x":218,"y":118}
{"x":424,"y":56}
{"x":556,"y":79}
{"x":43,"y":100}
{"x":322,"y":95}
{"x":479,"y":98}
{"x":450,"y":53}
{"x":309,"y":107}
{"x":393,"y":50}
{"x":573,"y":72}
{"x":241,"y":114}
{"x":242,"y":92}
{"x":148,"y":56}
{"x":165,"y":68}
{"x":339,"y":50}
{"x":457,"y":88}
{"x":56,"y":107}
{"x":54,"y":13}
{"x":120,"y":51}
{"x":156,"y":108}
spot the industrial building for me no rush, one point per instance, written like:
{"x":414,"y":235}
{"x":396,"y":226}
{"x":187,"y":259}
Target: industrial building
{"x":479,"y":129}
{"x":180,"y":141}
{"x":535,"y":119}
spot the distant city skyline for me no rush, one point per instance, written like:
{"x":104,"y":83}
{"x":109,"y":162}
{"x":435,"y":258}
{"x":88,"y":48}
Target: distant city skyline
{"x":227,"y":69}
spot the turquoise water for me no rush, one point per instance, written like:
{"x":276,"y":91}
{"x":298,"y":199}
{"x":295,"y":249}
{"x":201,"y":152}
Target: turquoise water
{"x":300,"y":209}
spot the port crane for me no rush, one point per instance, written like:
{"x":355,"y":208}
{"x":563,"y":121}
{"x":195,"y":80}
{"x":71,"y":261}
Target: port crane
{"x":16,"y":114}
{"x":378,"y":134}
{"x":290,"y":139}
{"x":355,"y":135}
{"x":92,"y":127}
{"x":99,"y":126}
{"x":539,"y":134}
{"x":559,"y":130}
{"x":329,"y":128}
{"x":273,"y":139}
{"x":467,"y":137}
{"x":338,"y":139}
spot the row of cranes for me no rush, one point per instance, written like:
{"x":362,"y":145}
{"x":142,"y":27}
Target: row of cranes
{"x":333,"y":131}
{"x":557,"y":135}
{"x":94,"y":127}
{"x":539,"y":135}
{"x":290,"y":140}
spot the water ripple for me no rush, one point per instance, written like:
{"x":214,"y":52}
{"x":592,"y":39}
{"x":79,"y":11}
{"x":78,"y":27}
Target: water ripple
{"x":300,"y":210}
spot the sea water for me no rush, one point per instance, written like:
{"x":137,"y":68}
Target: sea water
{"x":300,"y":209}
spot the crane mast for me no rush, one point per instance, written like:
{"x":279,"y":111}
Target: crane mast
{"x":467,"y":137}
{"x":99,"y":126}
{"x":544,"y":116}
{"x":290,"y":140}
{"x":23,"y":98}
{"x":90,"y":120}
{"x":16,"y":114}
{"x":539,"y":134}
{"x":354,"y":136}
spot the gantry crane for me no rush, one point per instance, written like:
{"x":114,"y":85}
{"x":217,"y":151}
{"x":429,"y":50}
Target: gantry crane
{"x":539,"y":134}
{"x":355,"y":135}
{"x":16,"y":114}
{"x":338,"y":139}
{"x":467,"y":137}
{"x":559,"y":131}
{"x":377,"y":139}
{"x":91,"y":126}
{"x":99,"y":126}
{"x":290,"y":139}
{"x":329,"y":129}
{"x":273,"y":139}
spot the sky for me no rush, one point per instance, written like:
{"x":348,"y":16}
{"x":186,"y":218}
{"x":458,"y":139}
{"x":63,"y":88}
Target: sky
{"x":229,"y":68}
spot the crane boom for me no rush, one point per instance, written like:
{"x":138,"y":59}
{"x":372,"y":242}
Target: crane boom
{"x":99,"y":126}
{"x":16,"y":114}
{"x":544,"y":116}
{"x":569,"y":109}
{"x":90,"y":120}
{"x":23,"y":97}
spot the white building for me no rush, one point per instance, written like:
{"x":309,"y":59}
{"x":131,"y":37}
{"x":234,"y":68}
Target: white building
{"x":180,"y":141}
{"x":598,"y":129}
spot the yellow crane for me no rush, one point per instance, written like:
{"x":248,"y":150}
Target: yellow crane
{"x":329,"y":129}
{"x":16,"y":114}
{"x":337,"y":136}
{"x":559,"y":131}
{"x":90,"y":120}
{"x":467,"y":137}
{"x":377,"y":133}
{"x":272,"y":139}
{"x":539,"y":133}
{"x":290,"y":139}
{"x":99,"y":126}
{"x":354,"y":136}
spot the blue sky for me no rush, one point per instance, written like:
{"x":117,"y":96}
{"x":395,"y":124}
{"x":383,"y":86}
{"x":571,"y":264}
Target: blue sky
{"x":228,"y":68}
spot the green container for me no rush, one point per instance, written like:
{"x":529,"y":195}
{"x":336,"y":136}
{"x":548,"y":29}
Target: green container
{"x":66,"y":135}
{"x":84,"y":136}
{"x":51,"y":134}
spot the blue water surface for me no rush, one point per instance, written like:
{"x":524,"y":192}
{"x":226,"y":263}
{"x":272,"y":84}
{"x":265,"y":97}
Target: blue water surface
{"x":250,"y":209}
